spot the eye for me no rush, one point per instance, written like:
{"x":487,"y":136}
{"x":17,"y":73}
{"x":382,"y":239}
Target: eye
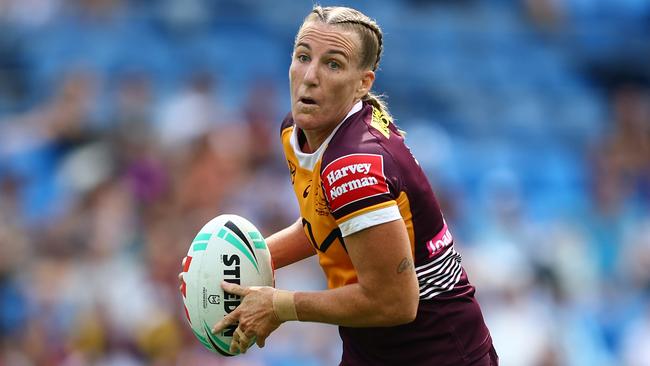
{"x":302,"y":58}
{"x":333,"y":65}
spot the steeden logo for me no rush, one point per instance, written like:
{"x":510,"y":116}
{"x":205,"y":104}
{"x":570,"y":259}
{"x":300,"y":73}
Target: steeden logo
{"x":354,"y":177}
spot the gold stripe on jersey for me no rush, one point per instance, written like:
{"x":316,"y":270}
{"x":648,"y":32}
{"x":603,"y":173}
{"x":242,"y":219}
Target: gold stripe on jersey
{"x":318,"y":223}
{"x":405,"y":210}
{"x":365,"y":210}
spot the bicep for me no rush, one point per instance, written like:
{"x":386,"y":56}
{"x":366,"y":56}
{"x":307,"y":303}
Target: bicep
{"x":383,"y":260}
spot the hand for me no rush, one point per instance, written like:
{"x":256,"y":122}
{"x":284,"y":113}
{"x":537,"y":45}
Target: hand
{"x":180,"y":275}
{"x":255,"y":315}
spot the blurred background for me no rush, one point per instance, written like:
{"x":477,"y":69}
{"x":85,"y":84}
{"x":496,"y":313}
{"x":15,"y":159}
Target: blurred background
{"x":125,"y":125}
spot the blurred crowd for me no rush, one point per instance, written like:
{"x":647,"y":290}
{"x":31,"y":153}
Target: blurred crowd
{"x":125,"y":125}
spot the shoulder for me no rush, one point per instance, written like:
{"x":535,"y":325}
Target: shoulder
{"x":287,"y":122}
{"x":358,"y":170}
{"x":366,"y":133}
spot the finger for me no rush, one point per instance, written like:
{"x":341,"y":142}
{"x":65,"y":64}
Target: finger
{"x":234,"y":346}
{"x":238,"y":346}
{"x":182,"y":285}
{"x":243,"y":347}
{"x":261,"y":341}
{"x":227,"y":321}
{"x":234,"y":289}
{"x":243,"y":341}
{"x":183,"y":262}
{"x":234,"y":343}
{"x":243,"y":338}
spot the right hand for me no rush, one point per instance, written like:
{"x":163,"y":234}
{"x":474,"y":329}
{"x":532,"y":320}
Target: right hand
{"x":255,"y":316}
{"x":180,"y":275}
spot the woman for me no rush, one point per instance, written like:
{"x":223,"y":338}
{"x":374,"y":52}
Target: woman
{"x":396,"y":286}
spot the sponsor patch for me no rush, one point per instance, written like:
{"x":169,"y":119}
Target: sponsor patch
{"x":439,"y":242}
{"x":354,"y":177}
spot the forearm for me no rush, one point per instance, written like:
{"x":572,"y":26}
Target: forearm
{"x":289,"y":245}
{"x":352,"y":306}
{"x":386,"y":294}
{"x":387,"y":291}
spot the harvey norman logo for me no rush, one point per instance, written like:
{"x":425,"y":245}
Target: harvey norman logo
{"x":353,"y":184}
{"x":354,"y":177}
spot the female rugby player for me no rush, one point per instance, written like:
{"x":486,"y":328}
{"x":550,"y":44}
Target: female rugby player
{"x":397,"y":289}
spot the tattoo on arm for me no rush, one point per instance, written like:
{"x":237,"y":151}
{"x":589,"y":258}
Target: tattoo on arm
{"x":405,"y":264}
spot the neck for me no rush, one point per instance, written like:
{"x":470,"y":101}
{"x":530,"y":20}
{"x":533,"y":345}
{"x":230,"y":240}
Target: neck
{"x":315,"y":139}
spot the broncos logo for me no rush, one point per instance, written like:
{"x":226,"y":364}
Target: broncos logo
{"x":380,"y":122}
{"x":292,"y":170}
{"x":322,"y":208}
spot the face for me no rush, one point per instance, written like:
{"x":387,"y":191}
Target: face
{"x":325,"y":76}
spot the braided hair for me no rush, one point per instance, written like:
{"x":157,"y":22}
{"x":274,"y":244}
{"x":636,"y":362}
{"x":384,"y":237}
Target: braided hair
{"x":371,"y":40}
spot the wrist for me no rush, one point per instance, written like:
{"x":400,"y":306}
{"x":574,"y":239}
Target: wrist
{"x":284,"y":305}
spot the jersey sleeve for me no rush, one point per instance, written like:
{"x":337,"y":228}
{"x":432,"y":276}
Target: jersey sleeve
{"x":286,"y":122}
{"x":361,"y":190}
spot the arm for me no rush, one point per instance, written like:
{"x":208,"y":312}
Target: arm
{"x":289,"y":245}
{"x":387,"y":292}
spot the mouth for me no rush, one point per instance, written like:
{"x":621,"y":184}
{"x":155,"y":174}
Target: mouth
{"x":307,"y":101}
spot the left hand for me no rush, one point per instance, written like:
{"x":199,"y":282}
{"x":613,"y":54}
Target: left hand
{"x":255,"y":315}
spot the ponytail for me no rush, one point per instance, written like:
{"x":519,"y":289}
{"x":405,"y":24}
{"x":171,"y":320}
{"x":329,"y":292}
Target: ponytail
{"x":378,"y":102}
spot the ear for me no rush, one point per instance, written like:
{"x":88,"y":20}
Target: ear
{"x":367,"y":79}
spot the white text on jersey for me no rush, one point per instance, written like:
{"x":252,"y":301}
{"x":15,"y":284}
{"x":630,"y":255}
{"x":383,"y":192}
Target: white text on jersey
{"x":354,"y":168}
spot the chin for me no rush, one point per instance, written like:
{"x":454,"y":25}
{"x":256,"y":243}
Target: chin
{"x":305,"y":121}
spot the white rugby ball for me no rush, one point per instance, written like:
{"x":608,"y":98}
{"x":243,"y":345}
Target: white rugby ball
{"x":227,"y":248}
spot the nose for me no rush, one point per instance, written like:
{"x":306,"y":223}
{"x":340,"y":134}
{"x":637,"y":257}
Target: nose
{"x":311,"y":75}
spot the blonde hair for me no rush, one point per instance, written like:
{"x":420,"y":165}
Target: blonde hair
{"x":371,"y":40}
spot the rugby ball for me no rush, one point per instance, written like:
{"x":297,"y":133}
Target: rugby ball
{"x":227,"y":248}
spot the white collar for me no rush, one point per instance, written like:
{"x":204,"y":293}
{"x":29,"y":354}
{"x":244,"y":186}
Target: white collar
{"x":308,"y":161}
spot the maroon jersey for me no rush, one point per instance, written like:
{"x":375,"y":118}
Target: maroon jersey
{"x":364,"y":175}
